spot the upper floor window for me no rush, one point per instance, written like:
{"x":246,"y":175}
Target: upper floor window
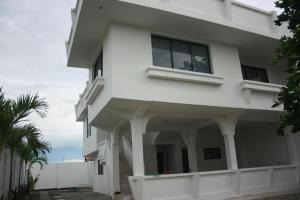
{"x":100,"y":168}
{"x":254,"y":74}
{"x":98,"y":66}
{"x":88,"y":128}
{"x":180,"y":55}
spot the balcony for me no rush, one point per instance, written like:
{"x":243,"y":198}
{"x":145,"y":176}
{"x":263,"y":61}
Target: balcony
{"x":254,"y":90}
{"x":227,"y":20}
{"x":88,"y":96}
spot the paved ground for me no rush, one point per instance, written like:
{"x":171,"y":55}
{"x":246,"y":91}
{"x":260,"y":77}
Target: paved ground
{"x":70,"y":194}
{"x":287,"y":195}
{"x":86,"y":194}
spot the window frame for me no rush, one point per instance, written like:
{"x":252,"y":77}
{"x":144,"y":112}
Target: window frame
{"x":256,"y":69}
{"x":169,"y":39}
{"x":95,"y":66}
{"x":88,"y":128}
{"x":100,"y":168}
{"x":212,"y":153}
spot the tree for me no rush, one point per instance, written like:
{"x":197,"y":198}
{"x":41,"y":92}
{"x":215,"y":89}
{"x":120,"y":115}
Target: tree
{"x":33,"y":148}
{"x":13,"y":128}
{"x":288,"y":53}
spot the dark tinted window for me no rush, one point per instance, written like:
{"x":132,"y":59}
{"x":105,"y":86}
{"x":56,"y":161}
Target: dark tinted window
{"x":254,"y":74}
{"x":180,"y":55}
{"x":88,"y":128}
{"x":161,"y":50}
{"x":98,"y":66}
{"x":100,"y":168}
{"x":212,"y":153}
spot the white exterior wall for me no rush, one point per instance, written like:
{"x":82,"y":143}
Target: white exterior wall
{"x":210,"y":137}
{"x":260,"y":145}
{"x":101,"y":182}
{"x":132,"y":55}
{"x":106,"y":94}
{"x":89,"y":143}
{"x":249,"y":17}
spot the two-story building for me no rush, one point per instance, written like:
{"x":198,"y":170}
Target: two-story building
{"x":179,"y":98}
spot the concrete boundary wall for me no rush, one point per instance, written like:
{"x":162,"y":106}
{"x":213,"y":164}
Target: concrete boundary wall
{"x":63,"y":175}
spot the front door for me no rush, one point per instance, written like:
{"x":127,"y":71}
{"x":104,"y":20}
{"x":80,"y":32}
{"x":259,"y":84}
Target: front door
{"x":160,"y":162}
{"x":185,"y":161}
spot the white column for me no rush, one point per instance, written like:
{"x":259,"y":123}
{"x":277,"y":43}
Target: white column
{"x":115,"y":162}
{"x":138,"y":127}
{"x":192,"y":156}
{"x":228,"y":131}
{"x":290,"y":138}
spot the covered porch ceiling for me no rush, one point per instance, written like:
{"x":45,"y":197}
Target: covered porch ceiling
{"x":162,"y":113}
{"x":95,"y":16}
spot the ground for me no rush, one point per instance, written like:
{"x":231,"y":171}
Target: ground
{"x":70,"y":194}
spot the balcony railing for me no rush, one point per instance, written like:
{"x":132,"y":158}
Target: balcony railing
{"x":88,"y":96}
{"x":249,"y":87}
{"x":216,"y":184}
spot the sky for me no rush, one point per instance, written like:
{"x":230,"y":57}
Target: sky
{"x":33,"y":59}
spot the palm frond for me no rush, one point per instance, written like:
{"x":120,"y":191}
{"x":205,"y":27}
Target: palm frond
{"x":26,"y":104}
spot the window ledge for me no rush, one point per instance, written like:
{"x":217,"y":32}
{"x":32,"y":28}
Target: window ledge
{"x":96,"y":88}
{"x":181,"y":75}
{"x":261,"y":87}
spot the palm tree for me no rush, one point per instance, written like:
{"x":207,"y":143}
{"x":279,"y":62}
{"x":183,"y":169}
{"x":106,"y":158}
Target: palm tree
{"x":13,"y":132}
{"x":34,"y":148}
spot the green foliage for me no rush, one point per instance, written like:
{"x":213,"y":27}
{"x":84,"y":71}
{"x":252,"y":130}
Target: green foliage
{"x":31,"y":182}
{"x":288,"y":53}
{"x":20,"y":136}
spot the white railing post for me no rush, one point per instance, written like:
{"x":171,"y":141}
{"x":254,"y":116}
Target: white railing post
{"x":195,"y":185}
{"x":237,"y":184}
{"x":57,"y":176}
{"x":270,"y":177}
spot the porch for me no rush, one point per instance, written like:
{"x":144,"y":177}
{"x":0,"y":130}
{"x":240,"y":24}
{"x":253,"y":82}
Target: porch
{"x":204,"y":156}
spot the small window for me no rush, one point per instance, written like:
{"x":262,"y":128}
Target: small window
{"x":88,"y":128}
{"x":180,"y":55}
{"x":100,"y":168}
{"x":98,"y":66}
{"x":212,"y":153}
{"x":254,"y":74}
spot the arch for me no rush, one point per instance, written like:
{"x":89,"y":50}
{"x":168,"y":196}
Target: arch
{"x":259,"y":145}
{"x":210,"y":148}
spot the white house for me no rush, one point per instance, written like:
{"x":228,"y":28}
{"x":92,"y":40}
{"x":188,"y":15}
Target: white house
{"x":179,"y":98}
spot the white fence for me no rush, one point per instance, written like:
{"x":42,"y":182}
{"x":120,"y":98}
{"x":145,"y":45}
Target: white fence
{"x":64,"y":175}
{"x":217,"y":184}
{"x":5,"y":171}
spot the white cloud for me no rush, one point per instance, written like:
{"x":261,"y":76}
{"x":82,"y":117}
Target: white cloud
{"x":32,"y":59}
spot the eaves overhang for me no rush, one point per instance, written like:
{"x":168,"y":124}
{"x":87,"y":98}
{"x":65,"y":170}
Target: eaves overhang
{"x":93,"y":18}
